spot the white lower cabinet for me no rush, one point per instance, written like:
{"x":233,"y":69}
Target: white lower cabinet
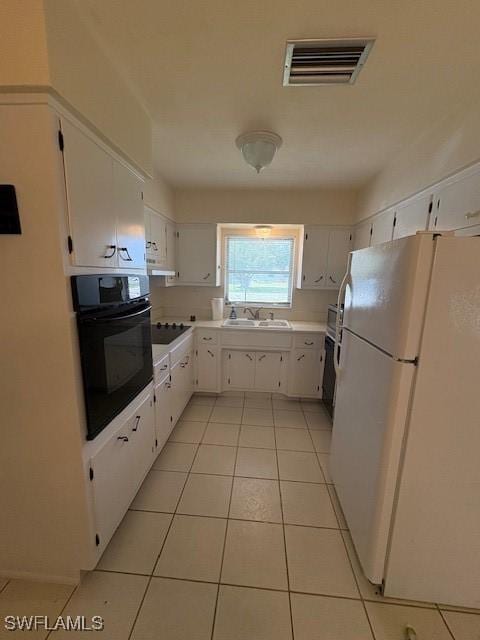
{"x":182,"y":385}
{"x":163,"y":412}
{"x":206,"y":368}
{"x":253,"y":370}
{"x":305,"y":373}
{"x":118,"y":468}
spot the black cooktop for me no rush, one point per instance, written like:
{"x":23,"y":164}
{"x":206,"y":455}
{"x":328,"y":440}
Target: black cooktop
{"x":164,"y":333}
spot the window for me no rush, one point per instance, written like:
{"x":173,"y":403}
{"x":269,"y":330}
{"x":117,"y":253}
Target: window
{"x":259,"y":271}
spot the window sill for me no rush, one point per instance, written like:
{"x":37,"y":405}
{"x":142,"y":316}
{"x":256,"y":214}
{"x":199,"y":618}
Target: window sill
{"x":246,"y":305}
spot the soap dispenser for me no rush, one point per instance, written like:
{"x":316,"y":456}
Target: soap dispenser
{"x":233,"y":314}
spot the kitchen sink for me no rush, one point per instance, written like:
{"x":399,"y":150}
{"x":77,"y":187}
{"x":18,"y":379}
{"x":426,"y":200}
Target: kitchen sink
{"x":256,"y":324}
{"x":240,"y":322}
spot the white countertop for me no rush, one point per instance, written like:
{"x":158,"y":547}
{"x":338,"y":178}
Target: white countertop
{"x":297,"y":325}
{"x":159,"y":350}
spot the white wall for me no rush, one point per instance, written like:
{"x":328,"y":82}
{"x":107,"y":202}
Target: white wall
{"x":287,"y":206}
{"x":448,"y":145}
{"x":254,"y":206}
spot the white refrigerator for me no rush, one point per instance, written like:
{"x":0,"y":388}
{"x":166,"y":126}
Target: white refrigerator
{"x":405,"y":455}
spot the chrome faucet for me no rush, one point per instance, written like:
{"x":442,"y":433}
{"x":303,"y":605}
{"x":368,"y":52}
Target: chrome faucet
{"x":254,"y":313}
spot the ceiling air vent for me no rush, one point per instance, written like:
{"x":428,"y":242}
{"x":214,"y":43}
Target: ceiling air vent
{"x":311,"y":62}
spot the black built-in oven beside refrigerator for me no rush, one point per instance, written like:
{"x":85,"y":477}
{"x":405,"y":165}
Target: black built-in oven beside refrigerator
{"x":113,"y":320}
{"x":329,"y":375}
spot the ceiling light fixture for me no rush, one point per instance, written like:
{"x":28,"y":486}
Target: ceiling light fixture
{"x":263,"y":230}
{"x":258,"y":148}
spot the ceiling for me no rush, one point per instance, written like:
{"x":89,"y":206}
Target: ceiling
{"x":208,"y":70}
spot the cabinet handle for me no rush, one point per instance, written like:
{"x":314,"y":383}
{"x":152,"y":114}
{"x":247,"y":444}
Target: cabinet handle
{"x":128,"y":258}
{"x":249,"y":356}
{"x":302,"y":356}
{"x":113,"y":248}
{"x":154,"y":245}
{"x":318,"y":279}
{"x":470,"y":215}
{"x":124,"y":438}
{"x":165,"y":366}
{"x":209,"y":352}
{"x":262,"y":357}
{"x":168,"y":385}
{"x":334,"y":281}
{"x":206,"y":277}
{"x":206,"y":338}
{"x":137,"y":422}
{"x":148,"y":244}
{"x":309,"y":344}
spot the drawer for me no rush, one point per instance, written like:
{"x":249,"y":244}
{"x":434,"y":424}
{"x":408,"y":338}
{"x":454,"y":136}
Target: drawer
{"x":162,"y":368}
{"x":181,"y":350}
{"x":309,"y":341}
{"x":206,"y":336}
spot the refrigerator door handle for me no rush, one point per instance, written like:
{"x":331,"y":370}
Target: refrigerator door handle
{"x":338,"y":326}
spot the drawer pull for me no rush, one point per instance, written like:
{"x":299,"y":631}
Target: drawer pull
{"x":168,"y":385}
{"x":207,"y":276}
{"x":164,"y":367}
{"x":247,"y":355}
{"x":124,"y":438}
{"x":113,"y":248}
{"x":319,"y":279}
{"x":309,"y":344}
{"x":210,"y":353}
{"x":470,"y":215}
{"x":334,"y":281}
{"x":302,"y":356}
{"x":262,"y":357}
{"x":137,"y":422}
{"x":204,"y":338}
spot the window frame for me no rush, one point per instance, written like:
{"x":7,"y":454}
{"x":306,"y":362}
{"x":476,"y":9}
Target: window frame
{"x":263,"y":305}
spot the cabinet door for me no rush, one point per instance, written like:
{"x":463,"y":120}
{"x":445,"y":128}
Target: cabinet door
{"x":382,"y":227}
{"x":89,"y":187}
{"x":412,"y":216}
{"x":268,"y":371}
{"x":197,"y":255}
{"x":239,"y":367}
{"x":159,"y":239}
{"x":176,"y":392}
{"x":141,"y":431}
{"x":457,"y":204}
{"x":339,"y":244}
{"x":206,"y":368}
{"x":127,"y":199}
{"x":305,"y":373}
{"x":147,"y":213}
{"x":112,"y":484}
{"x":163,"y":413}
{"x":187,"y":378}
{"x":315,"y":255}
{"x":362,"y":236}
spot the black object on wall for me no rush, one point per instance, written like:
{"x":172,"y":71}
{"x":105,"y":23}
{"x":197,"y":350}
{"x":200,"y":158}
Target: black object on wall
{"x":9,"y":218}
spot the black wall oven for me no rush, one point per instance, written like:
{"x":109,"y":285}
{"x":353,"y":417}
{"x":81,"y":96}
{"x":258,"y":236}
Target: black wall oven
{"x":113,"y":320}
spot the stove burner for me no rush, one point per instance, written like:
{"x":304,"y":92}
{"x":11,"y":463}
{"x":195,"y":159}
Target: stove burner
{"x":166,"y":333}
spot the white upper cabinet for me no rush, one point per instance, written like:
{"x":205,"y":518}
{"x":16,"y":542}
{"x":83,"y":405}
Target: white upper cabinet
{"x":457,"y":204}
{"x":198,"y":255}
{"x":339,"y":245}
{"x":127,"y":199}
{"x":89,"y":187}
{"x":315,"y":256}
{"x":155,"y":239}
{"x":362,"y":236}
{"x":104,"y":201}
{"x":412,"y":216}
{"x":382,"y":227}
{"x":325,"y":254}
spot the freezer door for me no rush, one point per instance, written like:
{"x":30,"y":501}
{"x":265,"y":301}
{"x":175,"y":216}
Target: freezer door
{"x":386,"y":293}
{"x":373,"y":392}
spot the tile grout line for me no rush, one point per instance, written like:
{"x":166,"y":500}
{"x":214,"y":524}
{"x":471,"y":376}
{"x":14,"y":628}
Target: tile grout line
{"x":149,"y":581}
{"x":214,"y":620}
{"x":284,"y":538}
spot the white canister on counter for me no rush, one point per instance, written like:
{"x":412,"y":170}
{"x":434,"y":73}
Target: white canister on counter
{"x":217,"y":308}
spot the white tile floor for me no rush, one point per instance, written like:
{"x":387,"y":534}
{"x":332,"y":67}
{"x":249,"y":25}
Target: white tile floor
{"x":237,"y":534}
